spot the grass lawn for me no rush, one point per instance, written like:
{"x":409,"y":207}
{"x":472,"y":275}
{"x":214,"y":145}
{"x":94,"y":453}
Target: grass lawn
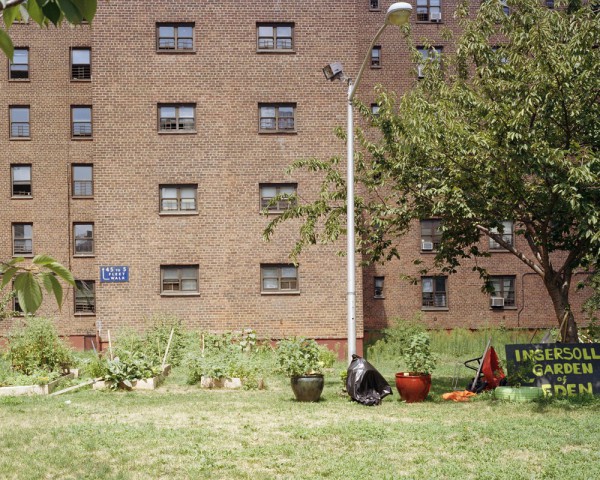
{"x":181,"y":431}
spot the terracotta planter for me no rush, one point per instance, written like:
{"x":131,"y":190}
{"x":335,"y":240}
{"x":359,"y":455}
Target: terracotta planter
{"x":413,"y":387}
{"x":308,"y":388}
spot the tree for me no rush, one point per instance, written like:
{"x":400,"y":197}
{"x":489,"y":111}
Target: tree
{"x":43,"y":12}
{"x":29,"y":279}
{"x":507,"y":128}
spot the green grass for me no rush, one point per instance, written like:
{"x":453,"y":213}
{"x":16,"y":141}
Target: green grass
{"x":181,"y":431}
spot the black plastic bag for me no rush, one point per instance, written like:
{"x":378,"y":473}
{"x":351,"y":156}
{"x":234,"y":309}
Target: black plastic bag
{"x":365,"y":384}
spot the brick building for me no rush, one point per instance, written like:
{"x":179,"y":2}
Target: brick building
{"x":152,"y":139}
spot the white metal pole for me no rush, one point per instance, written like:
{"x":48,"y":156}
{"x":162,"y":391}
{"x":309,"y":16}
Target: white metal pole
{"x":350,"y":234}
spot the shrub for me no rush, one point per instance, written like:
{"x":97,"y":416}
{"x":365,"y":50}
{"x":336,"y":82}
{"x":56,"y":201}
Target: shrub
{"x":128,"y":367}
{"x":395,"y":339}
{"x":299,"y":356}
{"x":35,"y":346}
{"x":417,"y":354}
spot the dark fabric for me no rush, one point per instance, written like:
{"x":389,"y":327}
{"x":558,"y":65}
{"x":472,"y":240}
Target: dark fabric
{"x":365,"y":384}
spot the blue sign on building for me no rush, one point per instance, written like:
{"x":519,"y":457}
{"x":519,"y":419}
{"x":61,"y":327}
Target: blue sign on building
{"x":114,"y":274}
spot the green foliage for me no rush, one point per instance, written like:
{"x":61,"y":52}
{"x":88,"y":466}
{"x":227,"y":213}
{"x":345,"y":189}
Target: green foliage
{"x":488,"y":135}
{"x":28,"y":280}
{"x":327,"y":357}
{"x":6,"y":303}
{"x":34,"y":345}
{"x":43,"y":12}
{"x":299,"y":356}
{"x":128,"y":367}
{"x":10,"y":378}
{"x":395,"y":339}
{"x":417,"y":356}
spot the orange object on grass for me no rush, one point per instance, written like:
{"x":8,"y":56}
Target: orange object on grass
{"x":463,"y":396}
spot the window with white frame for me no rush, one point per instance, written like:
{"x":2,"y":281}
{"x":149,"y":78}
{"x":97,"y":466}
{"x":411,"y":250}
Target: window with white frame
{"x":177,"y":118}
{"x":19,"y":66}
{"x":429,"y":11}
{"x":283,"y":191}
{"x":82,"y":180}
{"x":503,"y":290}
{"x":505,"y":232}
{"x":431,"y":234}
{"x":85,"y":296}
{"x":20,"y":180}
{"x":275,"y":36}
{"x":179,"y":279}
{"x":22,"y":239}
{"x":278,"y":117}
{"x":81,"y":64}
{"x":19,"y":121}
{"x":178,"y":198}
{"x":428,"y":55}
{"x":83,"y":239}
{"x":376,"y":57}
{"x":279,"y":278}
{"x":175,"y":37}
{"x":81,"y":121}
{"x":378,"y":283}
{"x":434,"y":294}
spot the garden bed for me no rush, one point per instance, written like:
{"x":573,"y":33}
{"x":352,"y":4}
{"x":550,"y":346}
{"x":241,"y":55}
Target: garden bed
{"x":45,"y":389}
{"x":141,"y":384}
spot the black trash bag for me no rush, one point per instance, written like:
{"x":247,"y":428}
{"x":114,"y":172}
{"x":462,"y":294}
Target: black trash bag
{"x":365,"y":384}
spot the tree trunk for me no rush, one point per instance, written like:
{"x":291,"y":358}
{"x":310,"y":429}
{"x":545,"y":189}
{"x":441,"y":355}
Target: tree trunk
{"x":558,"y":288}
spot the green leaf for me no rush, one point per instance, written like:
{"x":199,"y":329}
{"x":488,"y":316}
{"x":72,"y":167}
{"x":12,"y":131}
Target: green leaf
{"x":28,"y":291}
{"x":6,"y":44}
{"x":62,"y":272}
{"x":53,"y":286}
{"x":43,"y":260}
{"x":10,"y":15}
{"x":35,"y":12}
{"x":72,"y":13}
{"x":7,"y":275}
{"x":87,"y":8}
{"x":23,"y":13}
{"x":52,"y":11}
{"x":15,"y":260}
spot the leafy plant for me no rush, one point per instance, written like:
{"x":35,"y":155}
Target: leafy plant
{"x":129,"y":367}
{"x":395,"y":339}
{"x":34,"y":345}
{"x":299,"y":356}
{"x":28,"y":280}
{"x":417,"y":355}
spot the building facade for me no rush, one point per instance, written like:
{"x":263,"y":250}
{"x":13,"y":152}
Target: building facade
{"x":141,"y":150}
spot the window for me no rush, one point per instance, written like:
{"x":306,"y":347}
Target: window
{"x":178,"y":198}
{"x":428,"y":11}
{"x":21,"y":180}
{"x":376,"y":57}
{"x":434,"y":292}
{"x":428,"y":54}
{"x":275,"y":36}
{"x":277,"y":117}
{"x":175,"y":37}
{"x":269,"y":191}
{"x":81,"y":64}
{"x":83,"y":234}
{"x":19,"y":67}
{"x":507,"y":235}
{"x":177,"y":280}
{"x":19,"y":122}
{"x":85,"y":296}
{"x":374,"y":5}
{"x":278,"y":278}
{"x":82,"y":180}
{"x":431,"y":234}
{"x":177,"y":118}
{"x":374,"y":109}
{"x":550,"y":4}
{"x":504,"y":288}
{"x":81,"y":122}
{"x":17,"y":309}
{"x":22,"y":239}
{"x":379,"y":287}
{"x":505,"y":7}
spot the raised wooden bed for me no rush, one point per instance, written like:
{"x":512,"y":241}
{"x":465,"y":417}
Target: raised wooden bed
{"x":34,"y":389}
{"x":145,"y":384}
{"x":230,"y":383}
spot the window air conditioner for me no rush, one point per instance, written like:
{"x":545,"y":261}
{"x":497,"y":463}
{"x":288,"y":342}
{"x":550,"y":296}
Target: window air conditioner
{"x":435,"y":16}
{"x":497,"y":302}
{"x":426,"y":246}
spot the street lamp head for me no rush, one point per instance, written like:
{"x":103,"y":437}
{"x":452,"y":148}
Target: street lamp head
{"x":333,"y":70}
{"x":398,"y":14}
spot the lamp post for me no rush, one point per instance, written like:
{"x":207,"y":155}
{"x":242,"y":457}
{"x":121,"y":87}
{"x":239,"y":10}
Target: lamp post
{"x":398,"y":14}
